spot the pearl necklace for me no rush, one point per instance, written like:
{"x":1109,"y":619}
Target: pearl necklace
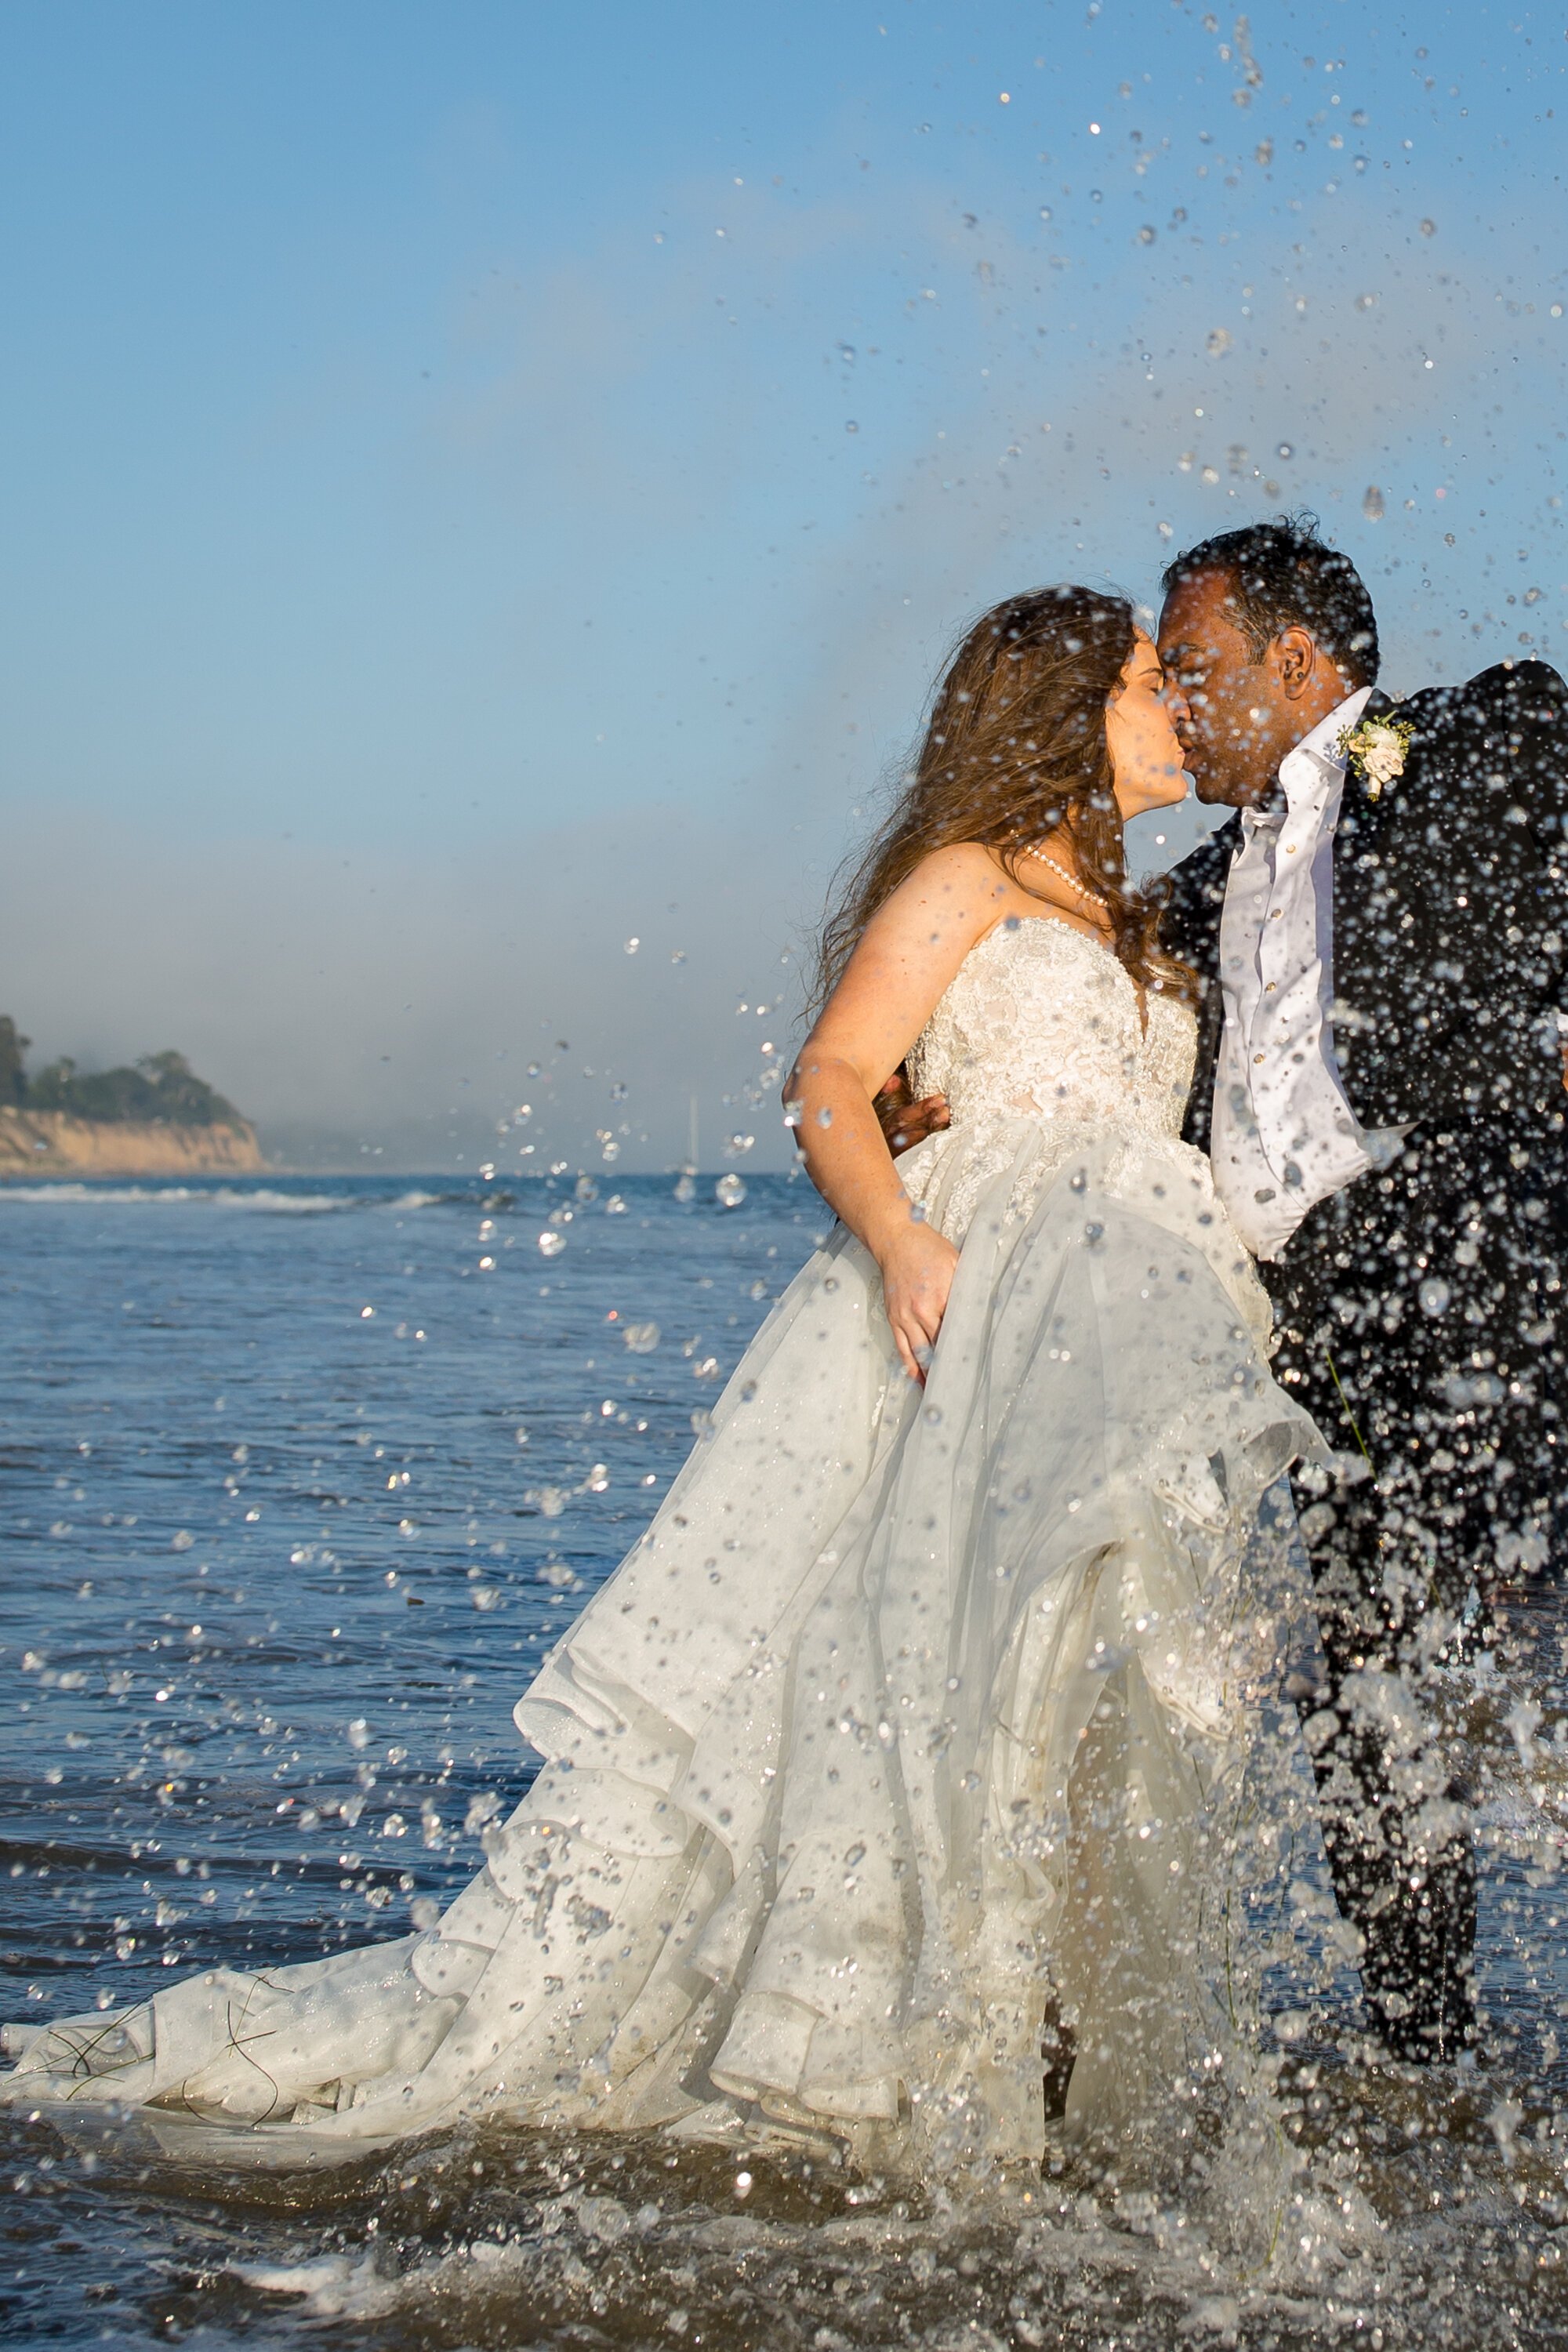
{"x":1094,"y":897}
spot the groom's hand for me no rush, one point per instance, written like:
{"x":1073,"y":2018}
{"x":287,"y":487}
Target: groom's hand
{"x":905,"y":1122}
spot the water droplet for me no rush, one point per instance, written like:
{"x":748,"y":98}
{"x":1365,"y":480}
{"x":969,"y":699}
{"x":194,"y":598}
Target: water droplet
{"x":551,"y":1244}
{"x":729,"y":1192}
{"x":642,"y":1338}
{"x":1373,"y":505}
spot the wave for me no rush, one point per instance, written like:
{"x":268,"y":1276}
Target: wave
{"x":484,"y":1195}
{"x":1060,"y":2249}
{"x":264,"y":1198}
{"x":220,"y":1196}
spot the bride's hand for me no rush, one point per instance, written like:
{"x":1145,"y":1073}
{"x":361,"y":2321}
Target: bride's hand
{"x":918,"y":1268}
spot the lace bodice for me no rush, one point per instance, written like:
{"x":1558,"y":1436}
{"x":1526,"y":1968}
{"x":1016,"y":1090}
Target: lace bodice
{"x":1042,"y":1021}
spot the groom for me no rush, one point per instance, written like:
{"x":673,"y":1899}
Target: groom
{"x":1382,"y":933}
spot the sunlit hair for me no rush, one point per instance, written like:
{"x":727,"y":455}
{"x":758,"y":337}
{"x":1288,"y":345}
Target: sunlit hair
{"x":1016,"y":749}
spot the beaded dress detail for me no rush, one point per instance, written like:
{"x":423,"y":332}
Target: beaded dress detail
{"x":1043,"y":1022}
{"x":1042,"y":1047}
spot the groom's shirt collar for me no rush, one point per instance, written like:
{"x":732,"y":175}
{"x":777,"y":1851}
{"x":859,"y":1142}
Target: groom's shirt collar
{"x":1316,"y":763}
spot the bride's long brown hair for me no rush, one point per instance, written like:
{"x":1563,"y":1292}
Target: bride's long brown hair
{"x":1016,"y":748}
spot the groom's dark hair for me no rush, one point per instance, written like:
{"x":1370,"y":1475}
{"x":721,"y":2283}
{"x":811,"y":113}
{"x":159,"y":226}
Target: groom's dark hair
{"x":1283,"y":575}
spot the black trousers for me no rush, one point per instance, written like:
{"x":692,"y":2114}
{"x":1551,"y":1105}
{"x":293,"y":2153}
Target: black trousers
{"x":1420,"y":1319}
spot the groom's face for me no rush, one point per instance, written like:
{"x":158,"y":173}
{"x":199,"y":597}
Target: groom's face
{"x":1241,"y":717}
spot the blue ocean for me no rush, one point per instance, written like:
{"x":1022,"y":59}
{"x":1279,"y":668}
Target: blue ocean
{"x":301,"y":1479}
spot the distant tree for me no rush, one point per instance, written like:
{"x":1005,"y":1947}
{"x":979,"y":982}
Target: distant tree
{"x":161,"y":1087}
{"x":50,"y":1090}
{"x":182,"y":1096}
{"x":13,"y":1052}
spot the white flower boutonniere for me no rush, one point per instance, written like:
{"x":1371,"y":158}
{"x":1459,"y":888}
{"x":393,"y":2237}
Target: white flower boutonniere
{"x":1376,"y":750}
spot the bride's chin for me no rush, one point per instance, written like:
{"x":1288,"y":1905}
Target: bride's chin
{"x":1144,"y":802}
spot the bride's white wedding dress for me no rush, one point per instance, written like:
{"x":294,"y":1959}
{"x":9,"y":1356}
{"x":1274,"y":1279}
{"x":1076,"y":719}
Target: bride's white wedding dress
{"x":899,"y":1735}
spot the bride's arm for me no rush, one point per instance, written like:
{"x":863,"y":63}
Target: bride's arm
{"x":907,"y":955}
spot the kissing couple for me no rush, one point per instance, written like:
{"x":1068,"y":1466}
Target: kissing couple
{"x":889,"y":1786}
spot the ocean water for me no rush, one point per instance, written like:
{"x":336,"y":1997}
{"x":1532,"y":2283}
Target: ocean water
{"x":298,"y":1480}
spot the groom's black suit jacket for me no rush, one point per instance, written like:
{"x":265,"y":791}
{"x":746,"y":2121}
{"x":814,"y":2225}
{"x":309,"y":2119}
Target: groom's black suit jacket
{"x":1450,"y":920}
{"x":1401,"y":1298}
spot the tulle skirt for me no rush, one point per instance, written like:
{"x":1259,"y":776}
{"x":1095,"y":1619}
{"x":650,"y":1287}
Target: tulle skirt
{"x":902,"y":1751}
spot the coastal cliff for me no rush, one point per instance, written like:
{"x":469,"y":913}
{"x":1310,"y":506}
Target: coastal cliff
{"x":54,"y":1143}
{"x":154,"y":1117}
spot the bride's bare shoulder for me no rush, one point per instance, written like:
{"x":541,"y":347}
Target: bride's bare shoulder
{"x":964,"y":881}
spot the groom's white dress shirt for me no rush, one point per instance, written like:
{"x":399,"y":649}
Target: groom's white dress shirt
{"x":1284,"y":1135}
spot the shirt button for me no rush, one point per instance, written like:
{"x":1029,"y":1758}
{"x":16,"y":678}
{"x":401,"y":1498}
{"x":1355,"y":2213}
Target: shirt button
{"x":1257,"y":1057}
{"x":1274,"y":917}
{"x":1268,"y":990}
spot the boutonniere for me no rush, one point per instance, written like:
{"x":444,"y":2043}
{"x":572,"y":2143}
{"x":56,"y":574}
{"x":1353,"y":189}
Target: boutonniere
{"x":1376,"y":750}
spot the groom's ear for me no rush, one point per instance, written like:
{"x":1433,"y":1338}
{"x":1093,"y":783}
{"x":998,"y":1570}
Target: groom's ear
{"x":1295,"y":660}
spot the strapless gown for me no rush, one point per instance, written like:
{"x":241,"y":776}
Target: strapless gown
{"x":900,"y":1742}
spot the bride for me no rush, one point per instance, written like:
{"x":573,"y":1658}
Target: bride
{"x":895,"y":1754}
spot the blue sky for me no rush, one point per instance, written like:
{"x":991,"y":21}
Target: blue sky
{"x":485,"y":483}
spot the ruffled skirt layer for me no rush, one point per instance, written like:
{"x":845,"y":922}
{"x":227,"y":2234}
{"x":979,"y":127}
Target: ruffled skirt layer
{"x":900,"y":1743}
